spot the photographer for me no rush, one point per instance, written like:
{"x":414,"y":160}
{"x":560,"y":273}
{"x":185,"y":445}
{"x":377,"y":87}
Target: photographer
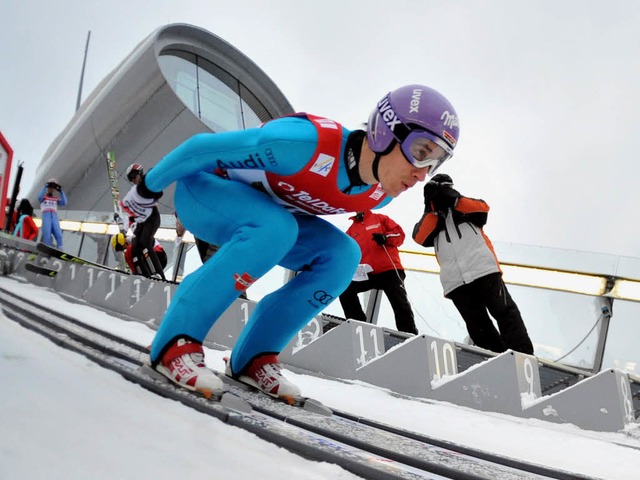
{"x":51,"y":197}
{"x":469,"y":269}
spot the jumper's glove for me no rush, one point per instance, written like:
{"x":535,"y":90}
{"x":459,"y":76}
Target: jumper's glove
{"x":53,"y":185}
{"x":379,"y":238}
{"x":119,"y":242}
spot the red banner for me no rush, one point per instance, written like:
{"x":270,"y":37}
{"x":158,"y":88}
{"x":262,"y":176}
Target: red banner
{"x":6,"y":154}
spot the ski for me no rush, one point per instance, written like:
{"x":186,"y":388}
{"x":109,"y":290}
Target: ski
{"x":40,"y":270}
{"x":54,"y":252}
{"x":59,"y":254}
{"x":117,"y":210}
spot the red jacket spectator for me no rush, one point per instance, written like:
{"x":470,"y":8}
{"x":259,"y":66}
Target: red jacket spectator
{"x":373,"y":254}
{"x":157,"y":248}
{"x":380,"y":269}
{"x":25,"y":226}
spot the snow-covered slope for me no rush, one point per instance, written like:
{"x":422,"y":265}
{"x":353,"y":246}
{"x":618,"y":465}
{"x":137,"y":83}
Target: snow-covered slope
{"x":63,"y":417}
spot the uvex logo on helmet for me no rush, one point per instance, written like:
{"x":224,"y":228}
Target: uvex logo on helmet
{"x":414,"y":104}
{"x":387,"y":113}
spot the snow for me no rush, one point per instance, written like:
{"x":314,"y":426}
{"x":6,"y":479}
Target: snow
{"x":54,"y":427}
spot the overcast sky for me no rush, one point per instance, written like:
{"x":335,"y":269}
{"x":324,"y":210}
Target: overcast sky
{"x":547,"y":91}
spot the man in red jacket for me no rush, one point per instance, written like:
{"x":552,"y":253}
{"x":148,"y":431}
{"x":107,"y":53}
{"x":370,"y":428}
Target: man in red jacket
{"x":121,"y":243}
{"x":379,"y":238}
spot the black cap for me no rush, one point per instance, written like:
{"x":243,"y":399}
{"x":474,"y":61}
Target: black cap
{"x":442,"y":179}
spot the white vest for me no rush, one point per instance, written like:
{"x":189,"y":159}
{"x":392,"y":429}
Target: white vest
{"x":463,"y":254}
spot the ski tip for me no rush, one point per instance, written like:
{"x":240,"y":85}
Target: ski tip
{"x":234,"y":402}
{"x":306,"y":403}
{"x":315,"y":406}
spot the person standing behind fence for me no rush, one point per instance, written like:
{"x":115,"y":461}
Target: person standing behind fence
{"x":378,"y":237}
{"x":121,"y":243}
{"x":144,"y":219}
{"x":25,"y":226}
{"x":51,"y":197}
{"x":469,"y":269}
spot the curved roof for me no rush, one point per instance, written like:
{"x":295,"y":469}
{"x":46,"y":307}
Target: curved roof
{"x":135,"y":113}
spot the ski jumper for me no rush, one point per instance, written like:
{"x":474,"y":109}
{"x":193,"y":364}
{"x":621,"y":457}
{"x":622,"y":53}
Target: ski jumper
{"x":144,"y":220}
{"x":49,"y":210}
{"x":258,"y":193}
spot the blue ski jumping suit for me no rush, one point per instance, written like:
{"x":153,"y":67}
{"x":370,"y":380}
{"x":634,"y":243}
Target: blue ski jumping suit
{"x":258,"y":193}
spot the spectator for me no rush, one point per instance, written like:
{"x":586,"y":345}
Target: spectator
{"x":378,"y":238}
{"x":144,"y":220}
{"x":51,"y":197}
{"x":179,"y":253}
{"x":281,"y":178}
{"x":205,"y":250}
{"x":121,"y":243}
{"x":25,"y":226}
{"x":469,"y":269}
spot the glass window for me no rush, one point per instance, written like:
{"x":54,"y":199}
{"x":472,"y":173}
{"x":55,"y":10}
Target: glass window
{"x":181,"y":73}
{"x":220,"y":106}
{"x":621,"y":350}
{"x":253,"y":110}
{"x":210,"y":92}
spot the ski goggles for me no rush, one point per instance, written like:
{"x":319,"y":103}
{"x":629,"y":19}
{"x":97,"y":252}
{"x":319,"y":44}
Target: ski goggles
{"x":424,"y":149}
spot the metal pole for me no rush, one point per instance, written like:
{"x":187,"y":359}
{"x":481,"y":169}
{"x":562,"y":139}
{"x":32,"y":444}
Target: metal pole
{"x":84,"y":62}
{"x":373,"y":306}
{"x":14,"y":197}
{"x":607,"y":312}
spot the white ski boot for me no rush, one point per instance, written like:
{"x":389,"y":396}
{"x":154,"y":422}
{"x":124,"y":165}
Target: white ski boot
{"x":264,"y":373}
{"x":183,"y":364}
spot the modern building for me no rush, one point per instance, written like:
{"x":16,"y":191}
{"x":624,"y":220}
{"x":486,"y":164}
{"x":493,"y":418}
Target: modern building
{"x":179,"y":81}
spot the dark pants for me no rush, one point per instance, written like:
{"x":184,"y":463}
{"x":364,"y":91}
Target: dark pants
{"x":489,"y":293}
{"x":144,"y":257}
{"x":205,"y":250}
{"x":392,"y":284}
